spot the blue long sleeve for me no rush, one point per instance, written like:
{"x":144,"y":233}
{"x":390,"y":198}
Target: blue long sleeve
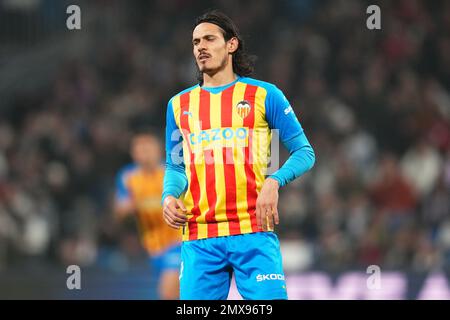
{"x":175,"y":180}
{"x":281,"y":116}
{"x":301,"y":159}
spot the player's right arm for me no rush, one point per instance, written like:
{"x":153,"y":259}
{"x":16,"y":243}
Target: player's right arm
{"x":175,"y":180}
{"x":123,"y":202}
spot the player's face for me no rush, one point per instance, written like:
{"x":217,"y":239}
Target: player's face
{"x":146,"y":151}
{"x":211,"y":51}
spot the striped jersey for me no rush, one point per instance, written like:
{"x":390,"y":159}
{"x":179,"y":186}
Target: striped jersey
{"x":144,"y":189}
{"x":221,"y":137}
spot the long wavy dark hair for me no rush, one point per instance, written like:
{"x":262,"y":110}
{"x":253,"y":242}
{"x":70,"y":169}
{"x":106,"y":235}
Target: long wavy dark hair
{"x":243,"y":63}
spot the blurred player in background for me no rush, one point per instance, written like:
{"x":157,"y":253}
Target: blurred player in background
{"x":217,"y":192}
{"x":139,"y":188}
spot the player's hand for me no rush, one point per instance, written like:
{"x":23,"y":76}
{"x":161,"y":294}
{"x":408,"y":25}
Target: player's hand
{"x":123,"y":208}
{"x":266,"y":204}
{"x":171,"y":212}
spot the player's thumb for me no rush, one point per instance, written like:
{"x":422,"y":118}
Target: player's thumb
{"x":181,"y":205}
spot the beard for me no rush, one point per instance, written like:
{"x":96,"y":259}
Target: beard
{"x":212,"y":70}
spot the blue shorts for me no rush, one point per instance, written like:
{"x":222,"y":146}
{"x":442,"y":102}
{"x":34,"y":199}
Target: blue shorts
{"x":170,"y":259}
{"x":254,"y":258}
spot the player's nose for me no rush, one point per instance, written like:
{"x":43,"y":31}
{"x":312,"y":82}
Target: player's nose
{"x":201,"y":49}
{"x":201,"y":46}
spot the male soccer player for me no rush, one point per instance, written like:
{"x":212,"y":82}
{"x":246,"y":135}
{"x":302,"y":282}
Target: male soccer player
{"x":217,"y":192}
{"x":139,"y":188}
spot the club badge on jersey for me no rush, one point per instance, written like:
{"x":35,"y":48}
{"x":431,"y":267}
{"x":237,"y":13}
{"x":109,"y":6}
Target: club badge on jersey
{"x":243,"y":108}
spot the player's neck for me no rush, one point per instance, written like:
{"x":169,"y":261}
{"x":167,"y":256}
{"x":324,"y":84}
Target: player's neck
{"x":148,"y":168}
{"x":219,"y":79}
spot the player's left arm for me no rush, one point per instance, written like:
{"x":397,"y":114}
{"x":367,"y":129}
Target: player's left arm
{"x":281,"y":116}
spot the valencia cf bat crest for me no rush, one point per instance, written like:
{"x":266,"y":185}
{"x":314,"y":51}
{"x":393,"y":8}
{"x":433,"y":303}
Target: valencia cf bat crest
{"x":243,"y":108}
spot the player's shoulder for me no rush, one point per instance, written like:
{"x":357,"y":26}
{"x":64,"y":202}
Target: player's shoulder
{"x":269,"y":87}
{"x":128,"y":170}
{"x":183,"y":92}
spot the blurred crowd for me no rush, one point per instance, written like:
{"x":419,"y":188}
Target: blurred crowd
{"x":375,"y":105}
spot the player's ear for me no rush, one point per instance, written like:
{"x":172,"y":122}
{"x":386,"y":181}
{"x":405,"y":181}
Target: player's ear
{"x":233,"y":45}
